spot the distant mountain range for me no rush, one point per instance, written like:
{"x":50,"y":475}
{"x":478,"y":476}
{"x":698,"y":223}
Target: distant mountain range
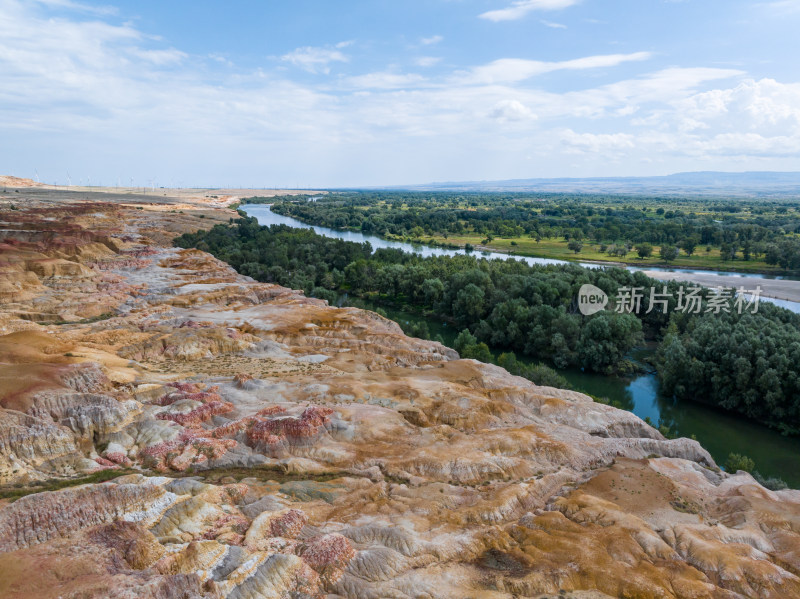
{"x":707,"y":183}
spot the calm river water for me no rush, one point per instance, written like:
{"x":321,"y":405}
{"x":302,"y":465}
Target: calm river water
{"x":719,"y":432}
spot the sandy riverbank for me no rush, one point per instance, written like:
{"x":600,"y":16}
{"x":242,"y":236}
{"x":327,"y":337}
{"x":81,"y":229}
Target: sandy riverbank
{"x":775,"y":288}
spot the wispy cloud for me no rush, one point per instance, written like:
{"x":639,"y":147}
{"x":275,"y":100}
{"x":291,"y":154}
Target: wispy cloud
{"x":521,"y":8}
{"x":594,"y":143}
{"x":509,"y":70}
{"x":783,"y":6}
{"x":553,"y":25}
{"x":385,"y":80}
{"x":316,"y":60}
{"x":427,"y":61}
{"x":429,"y":41}
{"x":101,"y":10}
{"x":160,"y":57}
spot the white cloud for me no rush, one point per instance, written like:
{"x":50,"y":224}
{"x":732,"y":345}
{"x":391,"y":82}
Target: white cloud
{"x":603,"y":143}
{"x":783,"y":7}
{"x":78,"y":6}
{"x":429,"y":41}
{"x":160,"y":57}
{"x":521,"y":8}
{"x":385,"y":80}
{"x":86,"y":91}
{"x":509,"y":70}
{"x":427,"y":61}
{"x":553,"y":25}
{"x":765,"y":105}
{"x":511,"y":110}
{"x":628,"y":96}
{"x":747,"y":144}
{"x":315,"y":60}
{"x":221,"y":59}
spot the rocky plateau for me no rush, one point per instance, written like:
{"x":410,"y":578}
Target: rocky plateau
{"x":169,"y":428}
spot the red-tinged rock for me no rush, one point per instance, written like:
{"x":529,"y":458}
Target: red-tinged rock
{"x":198,"y":415}
{"x":191,"y":447}
{"x":117,"y":457}
{"x":309,"y":424}
{"x":231,"y":429}
{"x":271,"y":411}
{"x":328,"y":556}
{"x":289,"y":524}
{"x":226,"y":525}
{"x":185,"y":387}
{"x":243,"y":380}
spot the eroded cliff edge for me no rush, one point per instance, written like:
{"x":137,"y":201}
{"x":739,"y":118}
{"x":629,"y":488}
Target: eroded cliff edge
{"x":272,"y":446}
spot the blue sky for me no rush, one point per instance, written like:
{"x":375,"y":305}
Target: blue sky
{"x":321,"y":93}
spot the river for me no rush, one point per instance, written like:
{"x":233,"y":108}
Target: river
{"x":780,"y":288}
{"x":719,"y":432}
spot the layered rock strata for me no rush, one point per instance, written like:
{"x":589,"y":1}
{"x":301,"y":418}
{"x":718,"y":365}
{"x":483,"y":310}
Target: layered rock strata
{"x":263,"y":444}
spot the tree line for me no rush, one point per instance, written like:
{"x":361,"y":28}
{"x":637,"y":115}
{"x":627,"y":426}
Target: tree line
{"x":744,"y":230}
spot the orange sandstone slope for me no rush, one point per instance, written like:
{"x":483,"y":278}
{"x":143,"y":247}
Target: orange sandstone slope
{"x":11,"y":181}
{"x":265,"y":444}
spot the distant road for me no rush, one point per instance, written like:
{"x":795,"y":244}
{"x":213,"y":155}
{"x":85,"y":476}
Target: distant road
{"x":776,"y":288}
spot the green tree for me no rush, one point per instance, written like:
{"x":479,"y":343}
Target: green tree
{"x":605,"y":340}
{"x":433,"y":290}
{"x":645,"y":250}
{"x":464,"y":339}
{"x":562,"y":354}
{"x":689,"y":245}
{"x":727,"y":251}
{"x":668,"y":253}
{"x":468,"y":305}
{"x":508,"y":361}
{"x":417,"y":329}
{"x":575,"y":246}
{"x":478,"y":352}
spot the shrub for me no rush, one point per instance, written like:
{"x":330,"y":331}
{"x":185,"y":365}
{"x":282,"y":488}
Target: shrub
{"x":736,"y":462}
{"x":773,"y":483}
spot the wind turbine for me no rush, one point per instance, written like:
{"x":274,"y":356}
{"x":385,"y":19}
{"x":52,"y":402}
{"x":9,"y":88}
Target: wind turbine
{"x":37,"y":175}
{"x":69,"y":179}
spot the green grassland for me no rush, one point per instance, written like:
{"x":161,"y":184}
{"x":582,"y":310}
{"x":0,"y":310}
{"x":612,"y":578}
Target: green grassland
{"x":557,"y":249}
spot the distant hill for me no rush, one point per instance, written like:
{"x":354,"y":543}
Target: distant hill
{"x":707,"y":183}
{"x":11,"y":181}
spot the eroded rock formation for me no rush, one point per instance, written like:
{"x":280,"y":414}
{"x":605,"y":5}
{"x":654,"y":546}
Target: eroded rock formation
{"x":268,"y":445}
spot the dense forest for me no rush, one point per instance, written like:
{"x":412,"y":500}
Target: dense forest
{"x":747,"y":363}
{"x":620,"y":227}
